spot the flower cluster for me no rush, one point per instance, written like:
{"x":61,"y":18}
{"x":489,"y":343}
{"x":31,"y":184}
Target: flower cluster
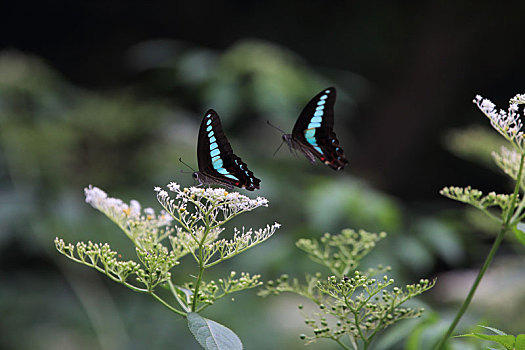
{"x":242,"y":240}
{"x":340,"y":253}
{"x":134,"y":221}
{"x":475,"y":197}
{"x":211,"y":291}
{"x":116,"y":209}
{"x":214,"y":206}
{"x":505,"y":209}
{"x":518,"y":99}
{"x":350,"y":302}
{"x":202,"y":212}
{"x":198,"y":215}
{"x":154,"y":270}
{"x":507,"y":123}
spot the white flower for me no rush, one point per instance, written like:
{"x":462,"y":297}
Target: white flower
{"x":134,"y":208}
{"x":174,"y":187}
{"x":100,"y":200}
{"x":518,"y":99}
{"x":507,"y":123}
{"x":123,"y":213}
{"x":213,"y":200}
{"x":232,"y":196}
{"x":242,"y":240}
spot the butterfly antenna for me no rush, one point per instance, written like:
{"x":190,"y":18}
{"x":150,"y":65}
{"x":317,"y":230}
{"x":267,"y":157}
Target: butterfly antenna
{"x":192,"y":170}
{"x":275,"y":127}
{"x":278,"y":148}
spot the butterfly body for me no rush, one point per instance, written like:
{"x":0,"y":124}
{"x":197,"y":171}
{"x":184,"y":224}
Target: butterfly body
{"x":217,"y":162}
{"x":313,"y":133}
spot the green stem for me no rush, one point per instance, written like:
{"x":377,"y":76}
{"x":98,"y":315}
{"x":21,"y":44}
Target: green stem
{"x":470,"y":295}
{"x":176,"y":296}
{"x":489,"y":214}
{"x":199,"y":278}
{"x":488,"y":260}
{"x":163,"y":302}
{"x":342,"y":344}
{"x":201,"y":263}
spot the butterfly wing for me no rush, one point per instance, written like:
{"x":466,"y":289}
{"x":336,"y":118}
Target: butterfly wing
{"x":314,"y":130}
{"x":216,"y":158}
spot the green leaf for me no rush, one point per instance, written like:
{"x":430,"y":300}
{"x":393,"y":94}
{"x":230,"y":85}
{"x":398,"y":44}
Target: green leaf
{"x":519,"y":232}
{"x":506,"y":340}
{"x":212,"y":335}
{"x":520,"y":342}
{"x":495,"y":330}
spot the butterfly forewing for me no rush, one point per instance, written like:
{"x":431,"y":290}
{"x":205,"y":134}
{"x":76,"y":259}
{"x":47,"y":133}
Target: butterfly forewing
{"x":320,"y":110}
{"x":314,"y":130}
{"x":216,"y":158}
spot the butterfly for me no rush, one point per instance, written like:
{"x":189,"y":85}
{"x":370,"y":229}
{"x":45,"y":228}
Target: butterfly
{"x":313,"y":132}
{"x":217,"y":163}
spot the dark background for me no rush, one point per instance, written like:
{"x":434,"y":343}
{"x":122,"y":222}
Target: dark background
{"x":108,"y":97}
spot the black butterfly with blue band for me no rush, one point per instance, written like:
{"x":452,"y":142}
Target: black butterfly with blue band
{"x":313,"y":132}
{"x":217,"y":163}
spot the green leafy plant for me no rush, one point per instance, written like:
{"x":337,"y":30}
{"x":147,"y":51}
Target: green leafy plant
{"x":353,"y":305}
{"x":199,"y":215}
{"x":509,"y":342}
{"x":504,"y":209}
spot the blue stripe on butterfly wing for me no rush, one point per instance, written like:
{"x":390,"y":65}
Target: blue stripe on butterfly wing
{"x":321,"y":102}
{"x":208,"y":128}
{"x":210,"y":134}
{"x":231,"y":177}
{"x":213,"y":145}
{"x":212,"y":139}
{"x":316,"y":120}
{"x":217,"y":162}
{"x":324,"y":97}
{"x":318,"y":113}
{"x":215,"y":152}
{"x":209,"y":120}
{"x":226,"y":173}
{"x":319,"y":108}
{"x":311,"y":141}
{"x":309,"y":133}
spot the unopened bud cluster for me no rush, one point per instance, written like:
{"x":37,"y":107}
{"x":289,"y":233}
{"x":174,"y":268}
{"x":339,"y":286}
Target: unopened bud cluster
{"x":349,"y":302}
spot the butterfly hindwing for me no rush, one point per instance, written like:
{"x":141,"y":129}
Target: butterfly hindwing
{"x":216,"y":158}
{"x":314,"y":133}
